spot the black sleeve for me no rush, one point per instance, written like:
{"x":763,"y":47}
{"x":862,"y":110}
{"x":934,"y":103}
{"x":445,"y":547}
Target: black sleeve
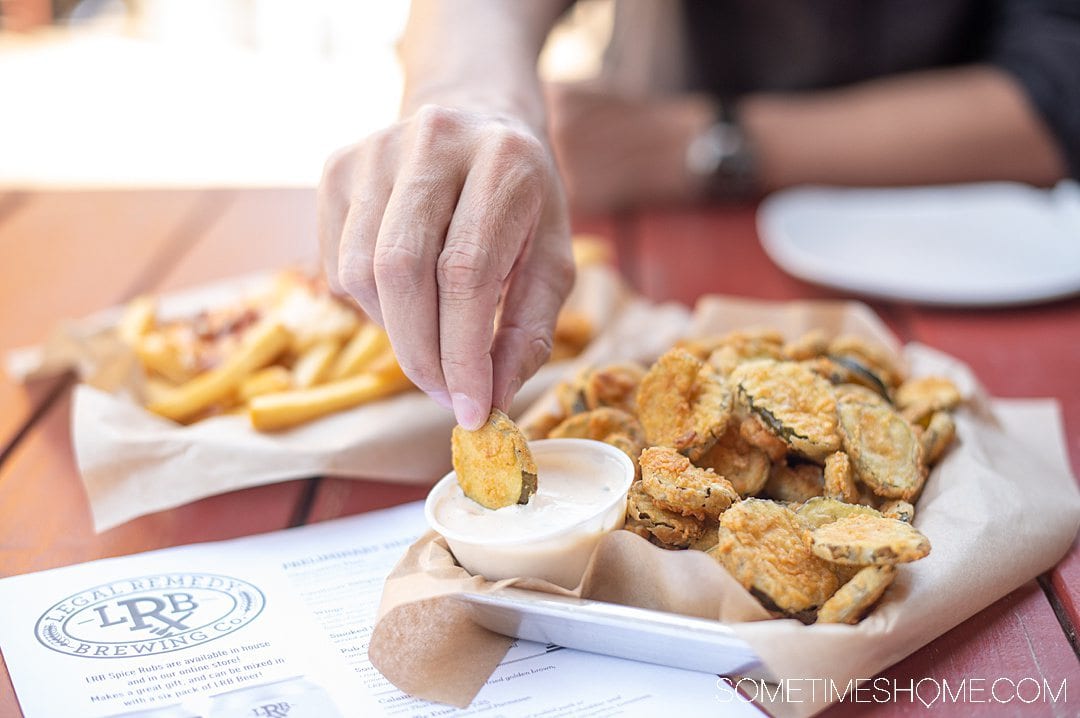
{"x":1038,"y":42}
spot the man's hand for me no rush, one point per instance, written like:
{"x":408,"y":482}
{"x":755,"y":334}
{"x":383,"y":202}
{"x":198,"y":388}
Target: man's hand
{"x":428,"y":224}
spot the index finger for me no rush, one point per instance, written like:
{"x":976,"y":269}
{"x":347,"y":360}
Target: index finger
{"x":496,"y":214}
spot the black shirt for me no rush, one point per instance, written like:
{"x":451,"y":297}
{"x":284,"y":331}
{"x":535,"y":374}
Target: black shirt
{"x":740,"y":46}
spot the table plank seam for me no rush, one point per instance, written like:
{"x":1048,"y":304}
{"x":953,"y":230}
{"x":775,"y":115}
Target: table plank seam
{"x":1046,"y":584}
{"x":301,"y":514}
{"x":208,"y":210}
{"x":43,"y":407}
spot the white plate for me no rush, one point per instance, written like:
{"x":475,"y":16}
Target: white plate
{"x":979,"y":244}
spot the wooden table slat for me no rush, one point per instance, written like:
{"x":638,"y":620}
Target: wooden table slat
{"x":64,"y":255}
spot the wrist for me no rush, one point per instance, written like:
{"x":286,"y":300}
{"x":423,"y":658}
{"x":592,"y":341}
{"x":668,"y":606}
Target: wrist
{"x":723,"y":158}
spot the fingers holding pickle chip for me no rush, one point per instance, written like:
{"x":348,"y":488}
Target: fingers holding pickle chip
{"x":494,"y":465}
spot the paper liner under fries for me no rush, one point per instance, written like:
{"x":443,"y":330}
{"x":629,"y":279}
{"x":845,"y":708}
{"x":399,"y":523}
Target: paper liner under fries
{"x":133,"y":462}
{"x":1001,"y":508}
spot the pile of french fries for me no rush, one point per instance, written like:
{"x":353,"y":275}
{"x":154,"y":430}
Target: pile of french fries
{"x":283,"y":358}
{"x":286,"y":356}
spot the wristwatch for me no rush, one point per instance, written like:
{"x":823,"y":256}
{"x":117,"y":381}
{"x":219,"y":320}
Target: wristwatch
{"x":723,"y":157}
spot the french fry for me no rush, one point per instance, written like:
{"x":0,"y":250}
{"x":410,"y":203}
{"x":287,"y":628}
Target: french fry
{"x":259,"y":348}
{"x":273,"y":412}
{"x":265,"y":381}
{"x":139,"y":317}
{"x":369,"y":342}
{"x":158,"y":354}
{"x":313,"y":366}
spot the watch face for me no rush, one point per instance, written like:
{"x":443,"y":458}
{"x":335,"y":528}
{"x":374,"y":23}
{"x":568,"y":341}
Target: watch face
{"x":723,"y":157}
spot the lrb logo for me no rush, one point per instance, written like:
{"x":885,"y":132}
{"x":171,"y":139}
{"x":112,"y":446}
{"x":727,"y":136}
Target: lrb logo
{"x":160,"y":616}
{"x":149,"y":615}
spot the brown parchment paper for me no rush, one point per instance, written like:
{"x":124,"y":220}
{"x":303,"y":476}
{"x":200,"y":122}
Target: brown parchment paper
{"x":133,"y":462}
{"x":1001,"y":508}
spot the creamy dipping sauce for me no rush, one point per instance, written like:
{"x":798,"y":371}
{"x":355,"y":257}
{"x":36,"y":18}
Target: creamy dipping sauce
{"x":570,"y":488}
{"x":580,"y":496}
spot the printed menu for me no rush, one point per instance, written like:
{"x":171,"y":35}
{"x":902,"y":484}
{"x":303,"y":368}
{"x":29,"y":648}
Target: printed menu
{"x":277,"y":625}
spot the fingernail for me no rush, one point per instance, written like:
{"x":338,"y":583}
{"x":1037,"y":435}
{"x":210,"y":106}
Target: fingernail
{"x":468,"y":412}
{"x":441,"y":398}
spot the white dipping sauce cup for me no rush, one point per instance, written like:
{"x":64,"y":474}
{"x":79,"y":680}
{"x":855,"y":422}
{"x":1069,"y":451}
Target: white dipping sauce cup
{"x":559,"y":552}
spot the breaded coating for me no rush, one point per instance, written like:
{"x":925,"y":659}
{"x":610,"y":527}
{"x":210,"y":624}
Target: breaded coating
{"x":494,"y":465}
{"x":937,"y":436}
{"x":861,"y":394}
{"x":922,"y":396}
{"x":873,"y":357}
{"x":607,"y":424}
{"x":851,"y":602}
{"x":899,"y":510}
{"x":811,"y":344}
{"x":793,"y":402}
{"x":738,"y":345}
{"x":754,"y":431}
{"x":820,"y":510}
{"x":648,"y":520}
{"x":738,"y":461}
{"x":840,"y":479}
{"x":677,"y":485}
{"x":613,"y":385}
{"x":869,"y":540}
{"x":766,"y":547}
{"x":708,"y":539}
{"x":883,"y":448}
{"x":794,"y":483}
{"x":683,"y":404}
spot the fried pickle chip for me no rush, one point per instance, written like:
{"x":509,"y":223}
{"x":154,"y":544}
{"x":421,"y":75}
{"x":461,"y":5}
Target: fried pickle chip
{"x":709,"y":536}
{"x":821,"y":510}
{"x":852,"y":600}
{"x":766,"y":548}
{"x":937,"y":436}
{"x":869,"y":540}
{"x":840,"y":479}
{"x":883,"y":448}
{"x":899,"y":510}
{"x":871,"y":357}
{"x":794,"y":483}
{"x":677,"y":485}
{"x":494,"y":465}
{"x":613,"y":385}
{"x":738,"y":461}
{"x":793,"y":402}
{"x":738,"y":345}
{"x":651,"y":521}
{"x":929,"y":393}
{"x":859,"y":393}
{"x":812,"y":344}
{"x":683,"y":404}
{"x":754,"y":431}
{"x":607,"y":424}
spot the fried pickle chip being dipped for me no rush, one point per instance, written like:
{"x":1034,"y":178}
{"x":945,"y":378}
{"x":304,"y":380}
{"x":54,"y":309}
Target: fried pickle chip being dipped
{"x":493,"y":464}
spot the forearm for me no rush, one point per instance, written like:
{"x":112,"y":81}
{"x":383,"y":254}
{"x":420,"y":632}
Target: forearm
{"x":477,"y":55}
{"x":964,"y":124}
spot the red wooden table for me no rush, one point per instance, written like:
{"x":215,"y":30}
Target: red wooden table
{"x":65,"y":254}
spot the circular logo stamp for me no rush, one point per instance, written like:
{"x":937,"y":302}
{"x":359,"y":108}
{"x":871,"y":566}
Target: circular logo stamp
{"x":149,"y":615}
